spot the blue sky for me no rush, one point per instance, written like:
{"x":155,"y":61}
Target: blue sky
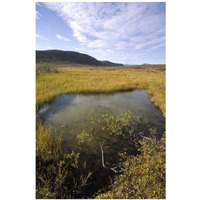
{"x":129,"y":33}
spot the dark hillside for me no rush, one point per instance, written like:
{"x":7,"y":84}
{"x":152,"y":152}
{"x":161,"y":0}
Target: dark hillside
{"x":108,"y":63}
{"x":70,"y":57}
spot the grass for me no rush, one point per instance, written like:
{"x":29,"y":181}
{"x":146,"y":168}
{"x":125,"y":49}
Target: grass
{"x":100,"y":80}
{"x":57,"y":175}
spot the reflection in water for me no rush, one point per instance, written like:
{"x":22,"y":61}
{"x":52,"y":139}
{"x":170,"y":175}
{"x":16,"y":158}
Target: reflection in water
{"x":73,"y":112}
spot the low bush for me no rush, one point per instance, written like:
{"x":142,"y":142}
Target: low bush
{"x":57,"y":174}
{"x":61,"y":174}
{"x":45,"y":68}
{"x":145,"y":175}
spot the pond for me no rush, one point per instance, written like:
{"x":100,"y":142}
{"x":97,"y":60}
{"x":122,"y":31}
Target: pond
{"x":72,"y":113}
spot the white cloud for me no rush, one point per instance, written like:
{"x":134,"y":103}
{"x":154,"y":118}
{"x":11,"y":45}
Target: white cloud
{"x":102,"y":51}
{"x":49,"y":47}
{"x":41,"y":37}
{"x":113,"y":25}
{"x":62,"y":38}
{"x":38,"y":3}
{"x":158,"y":42}
{"x":158,"y":46}
{"x":97,"y":43}
{"x":110,"y":51}
{"x":38,"y":15}
{"x":77,"y":32}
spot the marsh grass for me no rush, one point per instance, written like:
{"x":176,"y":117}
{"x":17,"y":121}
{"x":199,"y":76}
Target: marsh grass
{"x":57,"y":171}
{"x":102,"y":80}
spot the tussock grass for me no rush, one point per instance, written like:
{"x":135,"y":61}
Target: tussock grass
{"x":102,"y":80}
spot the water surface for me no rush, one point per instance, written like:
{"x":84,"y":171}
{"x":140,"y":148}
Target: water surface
{"x":73,"y":112}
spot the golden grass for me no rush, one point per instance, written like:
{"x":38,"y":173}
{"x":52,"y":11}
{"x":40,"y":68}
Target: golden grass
{"x":102,"y":79}
{"x":78,"y":79}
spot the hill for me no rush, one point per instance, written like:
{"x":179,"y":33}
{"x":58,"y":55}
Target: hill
{"x":70,"y":57}
{"x":108,"y":63}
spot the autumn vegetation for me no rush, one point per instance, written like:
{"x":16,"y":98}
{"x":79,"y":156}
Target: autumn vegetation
{"x":58,"y":172}
{"x":100,"y":80}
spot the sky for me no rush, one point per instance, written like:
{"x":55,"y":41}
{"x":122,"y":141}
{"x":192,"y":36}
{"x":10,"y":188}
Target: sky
{"x":128,"y":33}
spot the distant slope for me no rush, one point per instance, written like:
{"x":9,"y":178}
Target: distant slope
{"x":70,"y":57}
{"x":108,"y":63}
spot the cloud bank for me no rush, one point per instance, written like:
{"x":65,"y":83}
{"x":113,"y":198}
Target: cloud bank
{"x":115,"y":25}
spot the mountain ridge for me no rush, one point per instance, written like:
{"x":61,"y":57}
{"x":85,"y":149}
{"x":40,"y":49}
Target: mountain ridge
{"x":71,"y":57}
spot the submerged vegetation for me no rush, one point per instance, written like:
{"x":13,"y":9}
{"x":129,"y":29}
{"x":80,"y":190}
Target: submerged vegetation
{"x":63,"y":174}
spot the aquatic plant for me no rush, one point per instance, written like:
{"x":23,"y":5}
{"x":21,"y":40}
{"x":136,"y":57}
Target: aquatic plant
{"x":116,"y":132}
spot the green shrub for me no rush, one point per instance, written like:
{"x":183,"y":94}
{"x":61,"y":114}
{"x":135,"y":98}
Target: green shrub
{"x":57,"y":174}
{"x":121,"y":130}
{"x":145,"y":175}
{"x":45,"y":68}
